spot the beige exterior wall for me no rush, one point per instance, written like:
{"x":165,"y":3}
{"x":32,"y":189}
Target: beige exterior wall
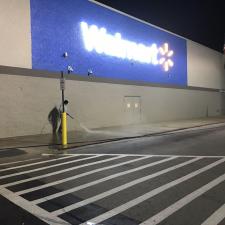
{"x":25,"y":103}
{"x":205,"y":67}
{"x":15,"y":40}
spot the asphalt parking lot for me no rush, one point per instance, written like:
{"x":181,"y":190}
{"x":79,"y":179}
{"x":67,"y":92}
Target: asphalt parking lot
{"x":174,"y":179}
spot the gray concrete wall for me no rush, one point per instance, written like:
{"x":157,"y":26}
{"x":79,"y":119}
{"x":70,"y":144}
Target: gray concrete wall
{"x":25,"y":102}
{"x":15,"y":40}
{"x":205,"y":67}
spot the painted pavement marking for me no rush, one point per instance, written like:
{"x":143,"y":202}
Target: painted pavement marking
{"x":61,"y":171}
{"x":184,"y":201}
{"x":142,"y":155}
{"x":31,"y":208}
{"x":216,"y":217}
{"x":80,"y":175}
{"x":154,"y":192}
{"x":26,"y":160}
{"x":38,"y":163}
{"x":122,"y":187}
{"x":48,"y":167}
{"x":52,"y":217}
{"x":101,"y":180}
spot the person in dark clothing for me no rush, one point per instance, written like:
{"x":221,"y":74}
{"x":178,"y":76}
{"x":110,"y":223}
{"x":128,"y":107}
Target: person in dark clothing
{"x":54,"y":119}
{"x":66,"y":102}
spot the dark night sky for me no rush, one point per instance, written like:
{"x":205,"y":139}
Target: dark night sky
{"x":199,"y":20}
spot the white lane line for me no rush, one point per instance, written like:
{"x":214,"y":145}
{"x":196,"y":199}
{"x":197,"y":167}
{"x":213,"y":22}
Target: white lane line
{"x":48,"y":167}
{"x":31,"y":208}
{"x":184,"y":156}
{"x":80,"y":175}
{"x":100,"y":181}
{"x":61,"y":171}
{"x":37,"y":163}
{"x":184,"y":201}
{"x":120,"y":188}
{"x":216,"y":217}
{"x":26,"y":160}
{"x":152,"y":193}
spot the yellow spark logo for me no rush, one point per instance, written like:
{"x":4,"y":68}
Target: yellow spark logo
{"x":166,"y":54}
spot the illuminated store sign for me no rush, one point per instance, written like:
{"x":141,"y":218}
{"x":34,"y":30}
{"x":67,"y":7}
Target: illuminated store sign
{"x":111,"y":45}
{"x":97,"y":39}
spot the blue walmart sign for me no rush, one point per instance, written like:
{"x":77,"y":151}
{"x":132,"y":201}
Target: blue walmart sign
{"x":110,"y":44}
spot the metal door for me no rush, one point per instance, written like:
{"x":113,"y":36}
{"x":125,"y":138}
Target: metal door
{"x":132,"y":108}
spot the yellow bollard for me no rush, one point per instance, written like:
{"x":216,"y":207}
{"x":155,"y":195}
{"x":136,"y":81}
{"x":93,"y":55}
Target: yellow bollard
{"x":64,"y":129}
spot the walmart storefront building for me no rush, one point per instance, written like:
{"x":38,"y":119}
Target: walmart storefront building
{"x":124,"y":69}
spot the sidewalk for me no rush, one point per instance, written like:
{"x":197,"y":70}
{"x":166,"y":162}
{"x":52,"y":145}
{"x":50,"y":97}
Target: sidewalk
{"x":80,"y":138}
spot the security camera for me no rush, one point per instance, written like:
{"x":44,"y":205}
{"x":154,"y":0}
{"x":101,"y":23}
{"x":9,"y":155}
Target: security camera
{"x":70,"y":69}
{"x":90,"y":72}
{"x":65,"y":54}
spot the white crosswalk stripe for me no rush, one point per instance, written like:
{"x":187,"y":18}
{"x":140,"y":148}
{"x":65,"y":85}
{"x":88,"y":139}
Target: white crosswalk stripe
{"x":62,"y":171}
{"x":35,"y":210}
{"x":182,"y":202}
{"x":21,"y":161}
{"x":120,"y":188}
{"x":37,"y":163}
{"x":81,"y":175}
{"x":123,"y":165}
{"x":101,"y":180}
{"x":150,"y":194}
{"x":47,"y":167}
{"x":216,"y":217}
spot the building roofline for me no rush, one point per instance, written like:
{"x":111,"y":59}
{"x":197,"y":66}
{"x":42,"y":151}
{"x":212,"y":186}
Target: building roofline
{"x":147,"y":23}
